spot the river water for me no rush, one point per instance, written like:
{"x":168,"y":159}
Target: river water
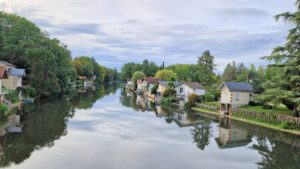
{"x":108,"y":128}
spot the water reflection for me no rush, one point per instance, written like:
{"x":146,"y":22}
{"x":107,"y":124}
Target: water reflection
{"x":141,"y":133}
{"x":276,"y":149}
{"x":42,"y":124}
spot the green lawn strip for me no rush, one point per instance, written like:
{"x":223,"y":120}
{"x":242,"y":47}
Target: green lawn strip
{"x":212,"y":103}
{"x":251,"y":121}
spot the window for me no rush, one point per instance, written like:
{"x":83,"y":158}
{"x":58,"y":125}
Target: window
{"x":237,"y":96}
{"x":181,"y":90}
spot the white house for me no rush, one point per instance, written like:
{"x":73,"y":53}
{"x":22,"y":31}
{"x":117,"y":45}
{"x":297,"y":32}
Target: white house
{"x":15,"y":75}
{"x":185,"y":89}
{"x":234,"y":95}
{"x":162,"y":85}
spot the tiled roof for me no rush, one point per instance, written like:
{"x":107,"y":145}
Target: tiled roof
{"x":16,"y":72}
{"x":151,"y":80}
{"x":165,"y":83}
{"x":238,"y":86}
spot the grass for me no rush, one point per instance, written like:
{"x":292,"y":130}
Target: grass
{"x":216,"y":103}
{"x":283,"y":110}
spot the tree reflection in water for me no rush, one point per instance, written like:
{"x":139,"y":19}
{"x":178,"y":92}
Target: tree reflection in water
{"x":43,"y":123}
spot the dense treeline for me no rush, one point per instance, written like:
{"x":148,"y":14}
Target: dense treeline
{"x":47,"y":61}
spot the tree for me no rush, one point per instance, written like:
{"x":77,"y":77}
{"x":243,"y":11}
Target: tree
{"x":168,"y":75}
{"x":138,"y":75}
{"x":285,"y":86}
{"x":47,"y":61}
{"x":145,"y":67}
{"x":126,"y":71}
{"x":206,"y":67}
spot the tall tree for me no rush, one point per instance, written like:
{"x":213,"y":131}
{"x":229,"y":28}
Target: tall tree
{"x":285,"y":86}
{"x":206,"y":69}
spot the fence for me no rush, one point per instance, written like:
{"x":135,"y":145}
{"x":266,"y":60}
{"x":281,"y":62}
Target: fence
{"x":267,"y":117}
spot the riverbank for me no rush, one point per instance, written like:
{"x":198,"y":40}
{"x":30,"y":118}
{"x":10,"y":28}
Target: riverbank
{"x":262,"y":124}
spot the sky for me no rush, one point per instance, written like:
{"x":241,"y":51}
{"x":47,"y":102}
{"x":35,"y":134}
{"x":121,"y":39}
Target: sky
{"x":115,"y":32}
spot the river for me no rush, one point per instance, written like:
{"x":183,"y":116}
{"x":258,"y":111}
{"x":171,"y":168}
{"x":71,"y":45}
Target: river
{"x":108,"y":128}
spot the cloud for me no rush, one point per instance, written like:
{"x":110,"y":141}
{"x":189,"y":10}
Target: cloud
{"x":116,"y":32}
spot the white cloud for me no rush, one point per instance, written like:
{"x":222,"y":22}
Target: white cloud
{"x":174,"y":31}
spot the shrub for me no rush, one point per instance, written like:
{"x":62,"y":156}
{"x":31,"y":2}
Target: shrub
{"x":13,"y":96}
{"x":267,"y":106}
{"x":30,"y":91}
{"x":3,"y":110}
{"x":169,"y":92}
{"x":168,"y":100}
{"x":154,"y":89}
{"x":288,"y":125}
{"x":192,"y":99}
{"x":207,"y":97}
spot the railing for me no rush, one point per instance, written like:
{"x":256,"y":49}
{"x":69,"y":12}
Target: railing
{"x":266,"y":117}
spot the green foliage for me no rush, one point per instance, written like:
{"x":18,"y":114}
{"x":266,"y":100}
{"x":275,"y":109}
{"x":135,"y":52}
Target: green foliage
{"x":168,"y":75}
{"x":29,"y":91}
{"x":12,"y":96}
{"x":154,"y":89}
{"x":284,"y":86}
{"x":167,"y":101}
{"x":169,"y":92}
{"x":3,"y":110}
{"x":138,"y":75}
{"x":206,"y":67}
{"x":48,"y":62}
{"x":288,"y":125}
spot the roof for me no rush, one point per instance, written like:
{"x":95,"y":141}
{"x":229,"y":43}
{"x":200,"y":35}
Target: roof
{"x":16,"y":72}
{"x":151,"y":80}
{"x":7,"y":64}
{"x":193,"y":85}
{"x":165,"y":83}
{"x":238,"y":86}
{"x":3,"y":72}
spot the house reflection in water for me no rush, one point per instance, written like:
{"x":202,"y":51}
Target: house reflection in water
{"x":12,"y":125}
{"x":231,"y":136}
{"x":185,"y":120}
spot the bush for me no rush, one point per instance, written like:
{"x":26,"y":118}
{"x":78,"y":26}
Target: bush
{"x":288,"y":125}
{"x":154,"y":89}
{"x":169,"y":92}
{"x":267,"y":106}
{"x":13,"y":96}
{"x":168,"y":100}
{"x":3,"y":110}
{"x":30,"y":91}
{"x":207,"y":97}
{"x":192,"y":99}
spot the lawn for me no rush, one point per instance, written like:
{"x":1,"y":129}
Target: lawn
{"x":216,"y":103}
{"x":279,"y":110}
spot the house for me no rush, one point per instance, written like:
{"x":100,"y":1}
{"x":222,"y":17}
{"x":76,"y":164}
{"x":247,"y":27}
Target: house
{"x":14,"y":74}
{"x":129,"y":84}
{"x":185,"y":89}
{"x":141,"y":86}
{"x":234,"y":95}
{"x":231,"y":136}
{"x":162,"y":85}
{"x":3,"y":76}
{"x":149,"y":83}
{"x":185,"y":120}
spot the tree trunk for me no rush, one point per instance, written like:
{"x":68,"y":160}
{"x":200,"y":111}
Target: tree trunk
{"x":295,"y":112}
